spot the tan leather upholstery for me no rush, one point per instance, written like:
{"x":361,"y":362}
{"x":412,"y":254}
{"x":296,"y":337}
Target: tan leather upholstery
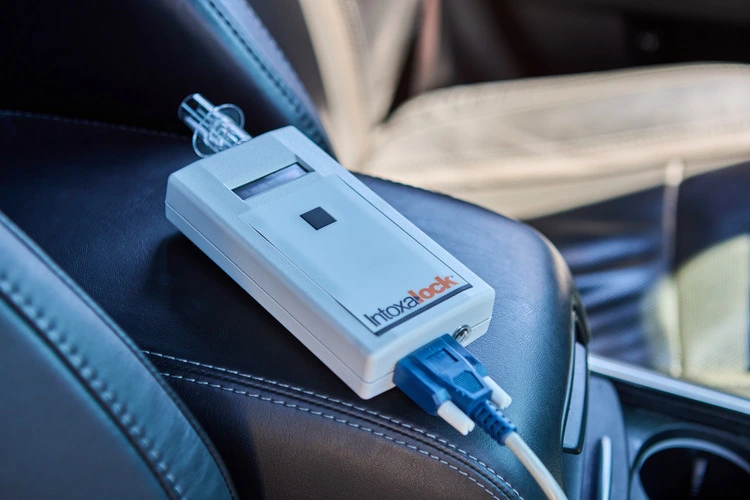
{"x":530,"y":147}
{"x":527,"y":147}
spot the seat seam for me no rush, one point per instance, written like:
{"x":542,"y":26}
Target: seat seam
{"x":335,"y":401}
{"x":342,"y":421}
{"x":423,"y":107}
{"x":508,"y":89}
{"x":291,"y":74}
{"x":607,"y":76}
{"x":597,"y":144}
{"x":91,"y":123}
{"x":78,"y":362}
{"x":285,"y":92}
{"x":429,"y":127}
{"x":414,"y":126}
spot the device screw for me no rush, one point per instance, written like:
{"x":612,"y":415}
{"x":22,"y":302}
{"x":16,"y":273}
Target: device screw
{"x":462,"y":334}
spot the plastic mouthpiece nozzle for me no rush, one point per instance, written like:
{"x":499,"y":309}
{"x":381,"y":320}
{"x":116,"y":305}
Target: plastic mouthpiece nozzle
{"x":215,"y":128}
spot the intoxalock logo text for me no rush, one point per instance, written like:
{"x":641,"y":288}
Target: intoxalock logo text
{"x":412,"y":300}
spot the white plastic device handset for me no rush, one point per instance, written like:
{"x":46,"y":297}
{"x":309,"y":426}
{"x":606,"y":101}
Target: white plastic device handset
{"x":357,"y":283}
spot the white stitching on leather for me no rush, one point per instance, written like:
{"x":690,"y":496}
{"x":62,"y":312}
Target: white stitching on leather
{"x":91,"y":123}
{"x":336,"y":401}
{"x":89,"y":374}
{"x":289,"y":95}
{"x":339,"y":420}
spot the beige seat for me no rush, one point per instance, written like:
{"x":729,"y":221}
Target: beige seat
{"x":530,"y":147}
{"x":527,"y":147}
{"x":524,"y":147}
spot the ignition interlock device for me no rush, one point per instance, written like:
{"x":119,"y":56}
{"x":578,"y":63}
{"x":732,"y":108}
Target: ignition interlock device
{"x":358,"y":284}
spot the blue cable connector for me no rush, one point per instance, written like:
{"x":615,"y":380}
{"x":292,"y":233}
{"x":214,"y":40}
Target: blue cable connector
{"x":445,"y":379}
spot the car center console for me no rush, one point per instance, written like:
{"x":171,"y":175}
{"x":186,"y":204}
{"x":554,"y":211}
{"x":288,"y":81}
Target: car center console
{"x":668,"y":438}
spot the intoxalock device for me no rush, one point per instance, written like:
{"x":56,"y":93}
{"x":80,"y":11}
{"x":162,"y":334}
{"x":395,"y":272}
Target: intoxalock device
{"x":365,"y":290}
{"x":356,"y":282}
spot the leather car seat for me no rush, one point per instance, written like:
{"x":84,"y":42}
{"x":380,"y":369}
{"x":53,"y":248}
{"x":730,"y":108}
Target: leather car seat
{"x":85,"y":415}
{"x":86,"y":149}
{"x":91,"y":195}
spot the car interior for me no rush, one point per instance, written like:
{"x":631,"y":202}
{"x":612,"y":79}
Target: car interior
{"x":584,"y":162}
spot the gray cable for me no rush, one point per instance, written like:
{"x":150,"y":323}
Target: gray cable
{"x":536,"y":468}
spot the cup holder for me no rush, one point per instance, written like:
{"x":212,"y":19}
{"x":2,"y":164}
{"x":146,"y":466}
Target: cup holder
{"x":690,"y":468}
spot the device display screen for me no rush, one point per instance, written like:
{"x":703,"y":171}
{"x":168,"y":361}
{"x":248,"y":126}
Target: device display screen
{"x":272,"y":180}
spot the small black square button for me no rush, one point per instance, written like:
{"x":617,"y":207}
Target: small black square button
{"x":318,"y":218}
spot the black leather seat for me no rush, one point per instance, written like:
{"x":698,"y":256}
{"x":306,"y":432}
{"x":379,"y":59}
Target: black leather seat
{"x":84,"y":414}
{"x":91,"y":195}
